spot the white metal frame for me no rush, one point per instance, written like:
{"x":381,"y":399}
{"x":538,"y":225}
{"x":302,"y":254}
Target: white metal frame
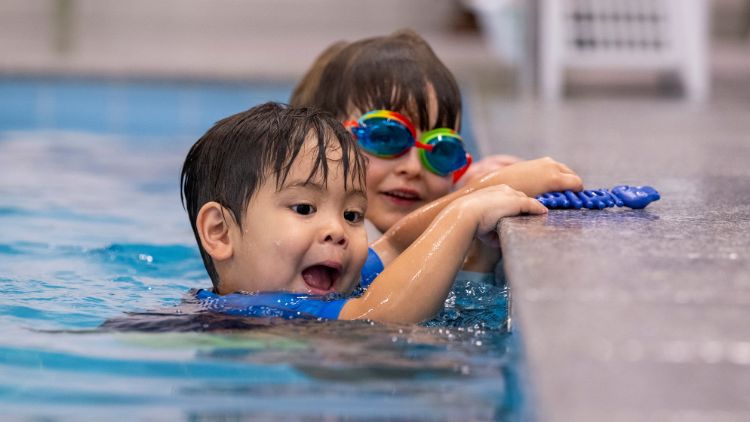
{"x":662,"y":35}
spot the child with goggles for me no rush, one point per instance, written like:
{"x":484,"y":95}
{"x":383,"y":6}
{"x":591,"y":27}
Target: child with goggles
{"x":387,"y":134}
{"x":275,"y":197}
{"x":404,"y":107}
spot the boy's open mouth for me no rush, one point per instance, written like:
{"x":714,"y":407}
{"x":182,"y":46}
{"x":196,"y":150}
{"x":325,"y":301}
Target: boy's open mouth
{"x":321,"y":278}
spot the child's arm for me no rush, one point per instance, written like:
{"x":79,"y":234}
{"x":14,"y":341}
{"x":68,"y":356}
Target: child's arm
{"x":413,"y":287}
{"x":486,"y":165}
{"x":532,"y":177}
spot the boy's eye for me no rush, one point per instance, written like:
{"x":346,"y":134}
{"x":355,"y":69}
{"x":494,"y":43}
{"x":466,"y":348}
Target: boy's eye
{"x":353,"y":216}
{"x":303,"y":209}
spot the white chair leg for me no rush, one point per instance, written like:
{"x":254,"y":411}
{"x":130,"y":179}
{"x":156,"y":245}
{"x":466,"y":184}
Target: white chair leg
{"x":550,"y":49}
{"x":694,"y":74}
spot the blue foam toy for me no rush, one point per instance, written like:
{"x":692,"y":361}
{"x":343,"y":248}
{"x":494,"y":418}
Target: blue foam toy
{"x":636,"y":197}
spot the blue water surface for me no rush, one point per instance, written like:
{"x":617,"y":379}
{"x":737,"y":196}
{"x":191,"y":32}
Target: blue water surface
{"x":91,"y":229}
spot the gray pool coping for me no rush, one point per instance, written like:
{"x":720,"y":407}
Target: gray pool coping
{"x":640,"y":314}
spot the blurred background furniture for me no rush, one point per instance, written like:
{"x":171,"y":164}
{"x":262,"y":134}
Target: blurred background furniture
{"x":659,"y":35}
{"x":544,"y":39}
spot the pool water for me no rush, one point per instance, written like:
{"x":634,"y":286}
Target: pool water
{"x":92,"y":230}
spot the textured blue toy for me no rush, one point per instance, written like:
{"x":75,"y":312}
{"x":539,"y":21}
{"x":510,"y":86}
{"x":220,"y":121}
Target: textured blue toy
{"x":636,"y":197}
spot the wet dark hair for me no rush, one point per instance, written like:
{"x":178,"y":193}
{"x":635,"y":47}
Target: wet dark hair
{"x":390,"y":72}
{"x":229,"y":163}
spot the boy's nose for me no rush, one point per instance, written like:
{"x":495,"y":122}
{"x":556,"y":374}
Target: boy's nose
{"x":335,"y":233}
{"x":409,"y":163}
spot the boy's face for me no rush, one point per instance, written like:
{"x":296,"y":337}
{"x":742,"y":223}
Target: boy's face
{"x":305,"y":237}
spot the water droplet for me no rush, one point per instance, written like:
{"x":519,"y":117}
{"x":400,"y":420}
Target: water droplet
{"x":147,"y":258}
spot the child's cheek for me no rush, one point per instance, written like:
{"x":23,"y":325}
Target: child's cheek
{"x":438,"y":186}
{"x":377,"y":168}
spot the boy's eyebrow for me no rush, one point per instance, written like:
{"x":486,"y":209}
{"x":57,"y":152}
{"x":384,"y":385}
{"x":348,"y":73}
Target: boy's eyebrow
{"x":304,"y":184}
{"x":309,"y":184}
{"x":357,"y":192}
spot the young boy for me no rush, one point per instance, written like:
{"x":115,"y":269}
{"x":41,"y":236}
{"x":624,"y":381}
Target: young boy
{"x":276,"y":199}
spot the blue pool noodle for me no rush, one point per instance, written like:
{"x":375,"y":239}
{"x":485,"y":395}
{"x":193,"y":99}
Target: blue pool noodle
{"x":635,"y":197}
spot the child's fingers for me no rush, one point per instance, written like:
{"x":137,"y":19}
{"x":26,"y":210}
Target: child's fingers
{"x":575,"y":182}
{"x":526,"y":204}
{"x":505,"y":189}
{"x":569,"y":182}
{"x":497,"y":202}
{"x":565,"y":169}
{"x":532,"y":206}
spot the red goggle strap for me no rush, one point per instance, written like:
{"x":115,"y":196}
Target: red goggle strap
{"x":422,"y":145}
{"x":349,"y":124}
{"x":460,"y":172}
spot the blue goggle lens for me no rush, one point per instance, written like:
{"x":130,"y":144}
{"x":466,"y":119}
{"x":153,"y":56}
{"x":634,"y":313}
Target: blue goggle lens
{"x":447,"y":155}
{"x":385,"y":138}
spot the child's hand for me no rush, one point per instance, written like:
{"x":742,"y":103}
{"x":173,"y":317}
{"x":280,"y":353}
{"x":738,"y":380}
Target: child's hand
{"x":534,"y":177}
{"x":490,"y":204}
{"x":485,"y":166}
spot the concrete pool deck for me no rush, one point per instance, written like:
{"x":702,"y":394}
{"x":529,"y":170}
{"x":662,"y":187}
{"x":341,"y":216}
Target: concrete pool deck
{"x":636,"y":314}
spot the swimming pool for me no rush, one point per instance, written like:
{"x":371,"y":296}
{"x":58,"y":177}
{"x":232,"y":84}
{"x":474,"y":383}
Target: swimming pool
{"x":92,"y":229}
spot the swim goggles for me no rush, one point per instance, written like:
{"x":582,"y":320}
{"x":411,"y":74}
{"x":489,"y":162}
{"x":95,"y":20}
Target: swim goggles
{"x":387,"y":134}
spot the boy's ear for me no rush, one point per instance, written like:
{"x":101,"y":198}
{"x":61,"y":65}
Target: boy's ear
{"x":213,"y":229}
